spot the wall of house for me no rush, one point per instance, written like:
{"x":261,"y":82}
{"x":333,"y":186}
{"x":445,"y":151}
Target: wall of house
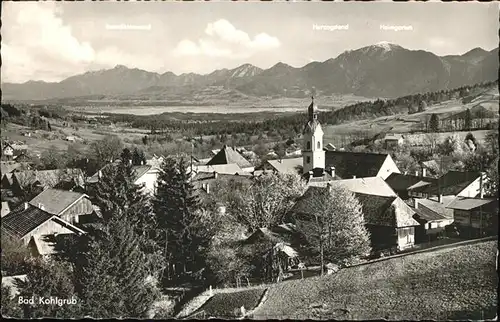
{"x":82,"y":207}
{"x":149,"y":181}
{"x":474,"y":219}
{"x":406,"y":237}
{"x":438,"y":224}
{"x":472,"y":190}
{"x":388,"y":167}
{"x":47,"y":228}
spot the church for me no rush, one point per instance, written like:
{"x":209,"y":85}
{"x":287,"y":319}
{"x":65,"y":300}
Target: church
{"x":320,"y":163}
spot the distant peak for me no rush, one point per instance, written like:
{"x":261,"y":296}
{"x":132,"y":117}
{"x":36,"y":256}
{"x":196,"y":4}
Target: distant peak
{"x":386,"y":45}
{"x":120,"y":67}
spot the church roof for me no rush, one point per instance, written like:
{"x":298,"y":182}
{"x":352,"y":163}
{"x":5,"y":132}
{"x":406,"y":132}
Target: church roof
{"x":359,"y":164}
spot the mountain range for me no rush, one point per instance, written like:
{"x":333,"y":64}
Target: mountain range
{"x":380,"y":70}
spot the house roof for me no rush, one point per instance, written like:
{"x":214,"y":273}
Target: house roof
{"x":464,"y":203}
{"x":399,"y":182}
{"x":330,"y":147}
{"x":7,"y":167}
{"x":371,"y":186}
{"x":359,"y":164}
{"x":56,"y":201}
{"x":47,"y":178}
{"x":393,"y":136}
{"x":220,"y":168}
{"x":432,"y":210}
{"x":228,"y":155}
{"x":378,"y":210}
{"x":20,"y":222}
{"x":452,"y":183}
{"x":293,"y":165}
{"x":139,"y":171}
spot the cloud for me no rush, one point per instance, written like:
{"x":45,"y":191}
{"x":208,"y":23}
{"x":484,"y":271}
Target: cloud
{"x":224,"y":40}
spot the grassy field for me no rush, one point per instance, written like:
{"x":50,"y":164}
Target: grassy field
{"x":404,"y":123}
{"x":454,"y":283}
{"x":227,"y":305}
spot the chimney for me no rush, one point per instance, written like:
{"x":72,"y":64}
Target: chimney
{"x":354,"y":177}
{"x":215,"y":174}
{"x":332,"y":171}
{"x":207,"y":188}
{"x":311,"y":174}
{"x":424,"y":172}
{"x":440,"y":198}
{"x":416,"y":173}
{"x":26,"y":206}
{"x":416,"y":203}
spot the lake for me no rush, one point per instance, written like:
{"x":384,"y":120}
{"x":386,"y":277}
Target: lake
{"x":152,"y":110}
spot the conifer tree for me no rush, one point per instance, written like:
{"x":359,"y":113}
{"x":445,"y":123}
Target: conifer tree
{"x":176,"y":207}
{"x":113,"y":272}
{"x":468,"y":119}
{"x":434,"y":123}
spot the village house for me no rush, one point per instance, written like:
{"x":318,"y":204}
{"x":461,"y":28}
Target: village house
{"x":5,"y":209}
{"x":45,"y":179}
{"x":454,"y":183}
{"x":145,"y":175}
{"x":205,"y":181}
{"x":219,"y":168}
{"x":405,"y":184}
{"x":475,"y":217}
{"x":37,"y":229}
{"x":433,"y":217}
{"x":393,"y":140}
{"x":228,"y":155}
{"x":11,"y":150}
{"x":68,"y":205}
{"x":387,"y":217}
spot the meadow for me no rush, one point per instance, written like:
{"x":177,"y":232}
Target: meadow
{"x":453,"y":283}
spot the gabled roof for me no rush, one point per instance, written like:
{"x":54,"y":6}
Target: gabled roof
{"x":330,"y":147}
{"x":293,"y":165}
{"x":228,"y":155}
{"x":371,"y":186}
{"x":359,"y":164}
{"x":47,"y":178}
{"x":400,"y":182}
{"x":464,"y":203}
{"x":56,"y":201}
{"x":220,"y":168}
{"x":433,"y":210}
{"x":20,"y":222}
{"x":8,"y":166}
{"x":452,"y":183}
{"x":139,"y":171}
{"x":378,"y":210}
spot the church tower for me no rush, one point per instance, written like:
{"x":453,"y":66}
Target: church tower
{"x":313,"y":154}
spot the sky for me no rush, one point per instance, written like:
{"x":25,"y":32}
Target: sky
{"x":51,"y":41}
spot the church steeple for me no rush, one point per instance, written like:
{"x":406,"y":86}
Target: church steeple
{"x":312,"y":151}
{"x":312,"y":110}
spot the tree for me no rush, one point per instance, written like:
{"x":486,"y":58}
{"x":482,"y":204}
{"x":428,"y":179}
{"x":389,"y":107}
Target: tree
{"x":422,"y":106}
{"x":115,"y":277}
{"x":176,"y":206}
{"x":468,"y":119}
{"x":46,"y":279}
{"x":264,"y":202}
{"x":53,"y":159}
{"x":10,"y":306}
{"x":107,"y":149}
{"x":126,"y":155}
{"x":434,"y":123}
{"x":138,"y":157}
{"x":280,"y":150}
{"x":15,"y":256}
{"x":335,"y":228}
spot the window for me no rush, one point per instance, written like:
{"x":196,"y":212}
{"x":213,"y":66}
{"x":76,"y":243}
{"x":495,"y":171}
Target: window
{"x":308,"y":145}
{"x":319,"y":145}
{"x":308,"y":160}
